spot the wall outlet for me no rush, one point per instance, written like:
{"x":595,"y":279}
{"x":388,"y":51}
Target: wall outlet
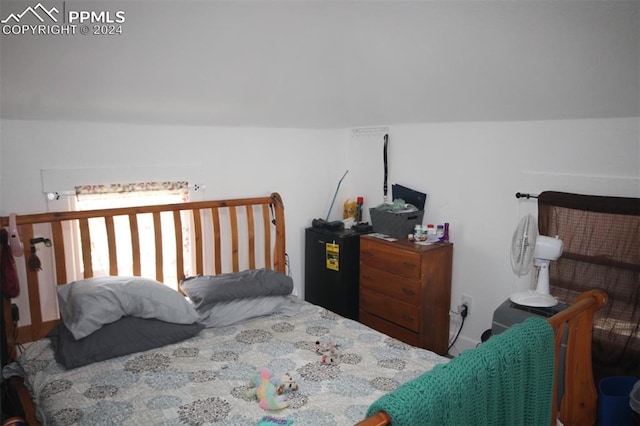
{"x":465,"y":299}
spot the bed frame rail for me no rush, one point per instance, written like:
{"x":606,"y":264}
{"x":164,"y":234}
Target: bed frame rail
{"x":224,"y":236}
{"x":579,"y":401}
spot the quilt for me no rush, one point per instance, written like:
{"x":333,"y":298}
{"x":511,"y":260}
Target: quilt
{"x":204,"y":380}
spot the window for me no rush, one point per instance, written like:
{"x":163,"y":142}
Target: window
{"x":96,"y":197}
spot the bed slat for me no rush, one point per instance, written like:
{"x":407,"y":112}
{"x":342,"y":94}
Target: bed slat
{"x":58,"y":250}
{"x":197,"y":233}
{"x":177,"y":226}
{"x":157,"y":236}
{"x":85,"y":241}
{"x":267,"y":235}
{"x":251,"y":238}
{"x":135,"y":243}
{"x":217,"y":259}
{"x":111,"y":244}
{"x":233,"y":218}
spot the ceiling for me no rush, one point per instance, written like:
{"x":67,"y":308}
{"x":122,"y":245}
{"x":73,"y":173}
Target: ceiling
{"x":329,"y":64}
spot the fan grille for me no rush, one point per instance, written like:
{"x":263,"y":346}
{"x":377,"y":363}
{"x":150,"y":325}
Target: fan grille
{"x":523,"y":244}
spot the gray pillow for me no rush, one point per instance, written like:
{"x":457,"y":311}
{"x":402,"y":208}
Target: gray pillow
{"x":230,"y":312}
{"x":87,"y":305}
{"x":209,"y":289}
{"x":125,"y":336}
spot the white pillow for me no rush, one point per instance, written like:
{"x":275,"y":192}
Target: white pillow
{"x":87,"y":305}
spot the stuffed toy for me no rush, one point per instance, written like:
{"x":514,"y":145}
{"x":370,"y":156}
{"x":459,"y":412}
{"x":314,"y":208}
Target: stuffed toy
{"x":286,"y":383}
{"x":330,"y":352}
{"x":270,"y":389}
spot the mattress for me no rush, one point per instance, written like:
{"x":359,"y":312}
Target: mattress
{"x":204,"y":380}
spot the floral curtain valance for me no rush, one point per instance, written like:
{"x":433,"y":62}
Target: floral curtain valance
{"x":125,"y":188}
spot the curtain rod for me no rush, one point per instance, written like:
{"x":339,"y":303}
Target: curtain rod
{"x":524,"y":195}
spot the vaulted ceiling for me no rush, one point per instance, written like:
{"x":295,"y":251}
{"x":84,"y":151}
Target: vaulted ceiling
{"x":326,"y":64}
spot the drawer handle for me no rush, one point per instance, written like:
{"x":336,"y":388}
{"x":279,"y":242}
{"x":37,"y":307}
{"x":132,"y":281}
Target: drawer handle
{"x":407,"y":318}
{"x":409,"y":264}
{"x":408,"y":291}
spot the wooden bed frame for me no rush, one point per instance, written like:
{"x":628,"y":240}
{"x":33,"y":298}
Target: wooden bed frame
{"x":226,"y":236}
{"x":230,"y":236}
{"x":259,"y":220}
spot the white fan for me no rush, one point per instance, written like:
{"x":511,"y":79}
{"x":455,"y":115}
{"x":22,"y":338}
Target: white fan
{"x":528,"y":249}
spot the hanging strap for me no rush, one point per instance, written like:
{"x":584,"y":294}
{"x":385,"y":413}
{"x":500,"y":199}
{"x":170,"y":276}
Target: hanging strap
{"x":386,"y":173}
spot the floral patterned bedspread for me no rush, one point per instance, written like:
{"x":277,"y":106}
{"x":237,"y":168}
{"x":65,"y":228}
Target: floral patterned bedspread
{"x":203,"y":380}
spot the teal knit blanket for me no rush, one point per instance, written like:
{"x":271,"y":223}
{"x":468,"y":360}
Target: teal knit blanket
{"x":507,"y":380}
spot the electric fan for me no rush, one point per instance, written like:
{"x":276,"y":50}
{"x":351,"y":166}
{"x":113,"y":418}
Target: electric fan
{"x":530,"y":249}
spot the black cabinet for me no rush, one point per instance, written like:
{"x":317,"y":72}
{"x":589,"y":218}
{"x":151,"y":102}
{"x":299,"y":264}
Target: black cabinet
{"x":332,"y":270}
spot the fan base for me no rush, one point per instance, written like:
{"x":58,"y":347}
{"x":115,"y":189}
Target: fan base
{"x":534,"y":299}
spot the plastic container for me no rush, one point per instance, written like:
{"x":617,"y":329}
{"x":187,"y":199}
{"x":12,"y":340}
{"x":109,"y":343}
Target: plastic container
{"x":396,"y":225}
{"x":350,"y":209}
{"x":613,"y":401}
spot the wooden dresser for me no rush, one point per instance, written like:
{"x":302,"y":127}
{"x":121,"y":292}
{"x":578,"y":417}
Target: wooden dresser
{"x":405,"y":290}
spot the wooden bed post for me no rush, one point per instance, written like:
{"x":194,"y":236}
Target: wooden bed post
{"x":279,"y":262}
{"x":579,"y":405}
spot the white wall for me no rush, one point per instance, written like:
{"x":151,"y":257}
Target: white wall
{"x":470,"y":172}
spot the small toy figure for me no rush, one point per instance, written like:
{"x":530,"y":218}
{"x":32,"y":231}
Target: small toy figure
{"x":330,"y":353}
{"x":286,"y":383}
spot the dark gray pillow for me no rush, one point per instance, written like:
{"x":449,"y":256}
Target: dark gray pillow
{"x":210,"y":289}
{"x":122,"y":337}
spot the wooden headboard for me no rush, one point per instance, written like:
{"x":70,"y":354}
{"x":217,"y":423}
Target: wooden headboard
{"x":224,"y":236}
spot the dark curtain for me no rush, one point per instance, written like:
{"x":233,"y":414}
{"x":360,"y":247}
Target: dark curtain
{"x":601,"y":238}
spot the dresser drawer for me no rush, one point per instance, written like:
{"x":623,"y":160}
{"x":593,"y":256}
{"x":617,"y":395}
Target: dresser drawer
{"x":395,"y":311}
{"x":391,"y":285}
{"x":404,"y":263}
{"x":389,"y":329}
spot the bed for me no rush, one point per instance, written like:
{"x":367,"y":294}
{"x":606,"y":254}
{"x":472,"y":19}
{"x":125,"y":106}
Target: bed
{"x":326,"y":369}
